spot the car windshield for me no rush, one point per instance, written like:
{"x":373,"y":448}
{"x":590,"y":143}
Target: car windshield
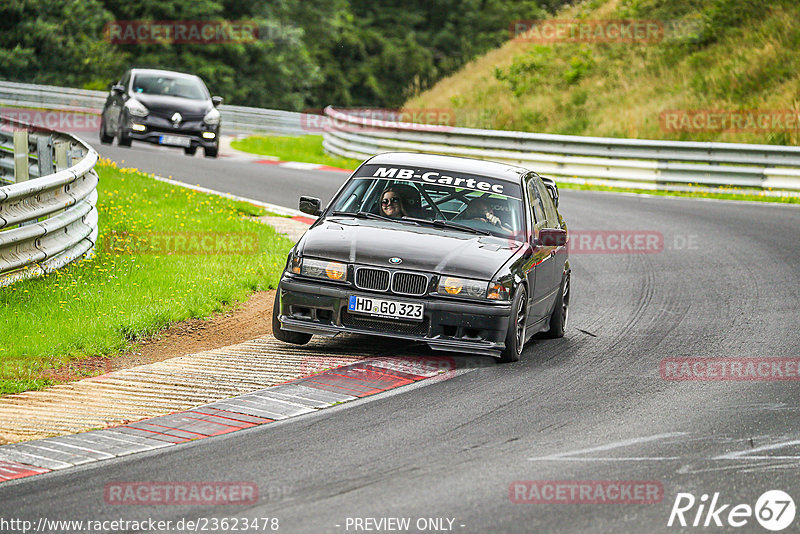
{"x":485,"y":205}
{"x":162,"y":84}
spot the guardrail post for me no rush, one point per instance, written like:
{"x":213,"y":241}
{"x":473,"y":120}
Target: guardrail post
{"x":44,"y":152}
{"x":61,"y":156}
{"x":74,"y":155}
{"x":62,"y":161}
{"x":21,"y":156}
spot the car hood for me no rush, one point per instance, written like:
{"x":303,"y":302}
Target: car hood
{"x":161,"y":104}
{"x":420,"y":248}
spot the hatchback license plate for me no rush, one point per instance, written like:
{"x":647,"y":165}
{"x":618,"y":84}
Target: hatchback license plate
{"x":174,"y":140}
{"x":410,"y":311}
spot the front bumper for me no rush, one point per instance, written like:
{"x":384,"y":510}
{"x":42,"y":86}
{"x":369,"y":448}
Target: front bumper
{"x":321,"y":309}
{"x":155,"y":127}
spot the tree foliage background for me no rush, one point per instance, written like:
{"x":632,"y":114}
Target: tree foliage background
{"x":310,"y":53}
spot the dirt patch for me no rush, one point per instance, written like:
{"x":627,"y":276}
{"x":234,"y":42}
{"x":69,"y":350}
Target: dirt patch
{"x":246,"y":321}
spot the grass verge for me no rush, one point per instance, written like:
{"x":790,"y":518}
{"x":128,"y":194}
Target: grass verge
{"x":164,"y":254}
{"x":746,"y":195}
{"x":304,"y":148}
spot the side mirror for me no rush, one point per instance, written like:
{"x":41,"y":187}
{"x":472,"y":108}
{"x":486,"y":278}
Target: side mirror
{"x":553,"y":194}
{"x":552,"y":237}
{"x":117,"y":89}
{"x":310,"y":205}
{"x":216,"y":100}
{"x":552,"y":188}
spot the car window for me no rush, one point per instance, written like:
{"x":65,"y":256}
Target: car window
{"x":479,"y":206}
{"x":536,"y":204}
{"x":126,"y":80}
{"x":165,"y":85}
{"x":547,"y":203}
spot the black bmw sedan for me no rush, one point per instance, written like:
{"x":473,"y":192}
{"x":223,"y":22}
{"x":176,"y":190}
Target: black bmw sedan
{"x":464,"y":255}
{"x":162,"y":107}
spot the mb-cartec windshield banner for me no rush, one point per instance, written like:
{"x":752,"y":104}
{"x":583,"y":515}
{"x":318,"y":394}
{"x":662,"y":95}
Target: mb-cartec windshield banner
{"x":440,"y":177}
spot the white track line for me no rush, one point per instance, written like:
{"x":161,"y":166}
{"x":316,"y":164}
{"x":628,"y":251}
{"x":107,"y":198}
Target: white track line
{"x":607,"y":447}
{"x":274,"y":208}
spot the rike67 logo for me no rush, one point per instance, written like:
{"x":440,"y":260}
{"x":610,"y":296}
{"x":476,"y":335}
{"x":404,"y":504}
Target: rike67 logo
{"x":774,"y":510}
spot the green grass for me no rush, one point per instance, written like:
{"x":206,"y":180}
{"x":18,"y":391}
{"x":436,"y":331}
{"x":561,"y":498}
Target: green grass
{"x":129,"y":290}
{"x":305,"y":149}
{"x":746,"y":195}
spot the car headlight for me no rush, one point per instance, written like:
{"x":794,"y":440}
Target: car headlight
{"x":136,"y":108}
{"x":462,"y":287}
{"x":328,"y":270}
{"x":212,"y":117}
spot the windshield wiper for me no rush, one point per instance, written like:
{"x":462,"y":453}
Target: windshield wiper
{"x":447,"y":224}
{"x":436,"y":222}
{"x":362,"y":215}
{"x":366,"y":215}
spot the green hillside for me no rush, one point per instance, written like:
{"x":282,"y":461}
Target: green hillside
{"x":736,"y":62}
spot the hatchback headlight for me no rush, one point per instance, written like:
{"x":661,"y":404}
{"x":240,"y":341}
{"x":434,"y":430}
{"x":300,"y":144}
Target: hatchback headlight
{"x":212,"y":117}
{"x":136,"y":108}
{"x":327,"y":270}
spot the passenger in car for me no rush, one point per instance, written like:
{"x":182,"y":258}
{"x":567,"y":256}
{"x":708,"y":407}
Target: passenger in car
{"x":392,"y":204}
{"x":480,"y":210}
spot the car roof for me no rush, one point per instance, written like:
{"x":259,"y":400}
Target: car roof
{"x":162,"y":72}
{"x":503,"y":171}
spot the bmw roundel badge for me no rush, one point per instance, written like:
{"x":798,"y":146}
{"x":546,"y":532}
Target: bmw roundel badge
{"x":395,"y":260}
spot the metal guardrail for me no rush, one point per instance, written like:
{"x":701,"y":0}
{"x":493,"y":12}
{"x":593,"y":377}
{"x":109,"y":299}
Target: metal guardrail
{"x":234,"y":118}
{"x":635,"y":161}
{"x":650,"y":163}
{"x":47,"y":211}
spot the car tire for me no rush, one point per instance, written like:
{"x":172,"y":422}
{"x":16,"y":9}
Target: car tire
{"x":296,"y":338}
{"x":211,"y":152}
{"x":515,"y":337}
{"x":558,"y":319}
{"x":190,"y":150}
{"x":104,"y":137}
{"x":123,"y":137}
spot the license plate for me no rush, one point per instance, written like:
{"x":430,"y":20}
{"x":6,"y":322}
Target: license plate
{"x":174,"y":140}
{"x":410,"y":311}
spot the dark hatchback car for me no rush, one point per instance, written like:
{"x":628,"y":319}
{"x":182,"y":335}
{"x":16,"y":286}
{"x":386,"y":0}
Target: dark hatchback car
{"x":464,"y":255}
{"x":162,"y":107}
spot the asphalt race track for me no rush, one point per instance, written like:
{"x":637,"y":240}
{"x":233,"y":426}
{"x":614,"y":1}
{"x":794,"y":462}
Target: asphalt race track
{"x":244,"y":178}
{"x":724,"y":282}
